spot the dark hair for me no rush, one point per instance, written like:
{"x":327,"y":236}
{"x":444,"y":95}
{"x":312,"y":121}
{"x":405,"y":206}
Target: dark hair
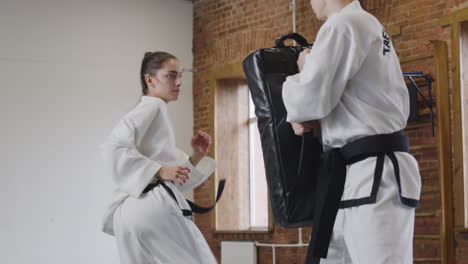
{"x":152,"y":62}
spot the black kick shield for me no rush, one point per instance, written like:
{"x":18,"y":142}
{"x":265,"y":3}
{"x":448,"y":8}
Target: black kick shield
{"x":291,"y":162}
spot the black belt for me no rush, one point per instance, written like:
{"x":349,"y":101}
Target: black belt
{"x":331,"y":181}
{"x":194,"y":207}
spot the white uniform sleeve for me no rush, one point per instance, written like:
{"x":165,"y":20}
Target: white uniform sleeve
{"x":130,"y":170}
{"x":313,"y":93}
{"x":198,"y":174}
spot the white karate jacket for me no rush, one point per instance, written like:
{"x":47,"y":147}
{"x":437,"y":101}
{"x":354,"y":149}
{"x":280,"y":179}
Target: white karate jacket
{"x":352,"y":82}
{"x":137,"y":147}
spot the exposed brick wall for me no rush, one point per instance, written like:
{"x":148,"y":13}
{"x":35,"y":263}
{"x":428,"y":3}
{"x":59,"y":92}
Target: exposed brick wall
{"x":226,"y":31}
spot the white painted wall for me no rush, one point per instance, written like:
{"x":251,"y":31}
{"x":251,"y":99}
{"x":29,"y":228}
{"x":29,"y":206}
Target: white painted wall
{"x":68,"y":71}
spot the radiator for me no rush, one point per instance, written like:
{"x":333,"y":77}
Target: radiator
{"x":238,"y":252}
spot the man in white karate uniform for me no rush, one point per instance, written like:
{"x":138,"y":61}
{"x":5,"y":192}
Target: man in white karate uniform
{"x":351,"y":81}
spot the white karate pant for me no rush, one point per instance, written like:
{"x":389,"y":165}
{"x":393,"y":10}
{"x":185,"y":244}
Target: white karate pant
{"x":152,"y":230}
{"x":380,"y":233}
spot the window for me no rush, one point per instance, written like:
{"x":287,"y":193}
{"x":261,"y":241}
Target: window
{"x":258,"y":185}
{"x":458,"y":116}
{"x":244,"y":206}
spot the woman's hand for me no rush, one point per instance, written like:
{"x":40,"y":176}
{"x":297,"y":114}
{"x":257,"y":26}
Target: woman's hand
{"x":179,"y":174}
{"x":201,"y":143}
{"x":301,"y":59}
{"x":305,"y":127}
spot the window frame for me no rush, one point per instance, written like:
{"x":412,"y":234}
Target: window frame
{"x":455,"y":20}
{"x":454,"y":219}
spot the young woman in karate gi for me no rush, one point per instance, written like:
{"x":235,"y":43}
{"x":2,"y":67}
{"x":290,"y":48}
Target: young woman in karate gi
{"x":149,"y":227}
{"x":352,"y":83}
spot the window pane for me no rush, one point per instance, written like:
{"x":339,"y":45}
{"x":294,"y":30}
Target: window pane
{"x":464,"y":103}
{"x":251,"y":107}
{"x":258,"y":187}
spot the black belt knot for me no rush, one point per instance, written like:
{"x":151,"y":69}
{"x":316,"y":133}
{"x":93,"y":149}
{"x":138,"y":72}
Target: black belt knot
{"x":194,"y":207}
